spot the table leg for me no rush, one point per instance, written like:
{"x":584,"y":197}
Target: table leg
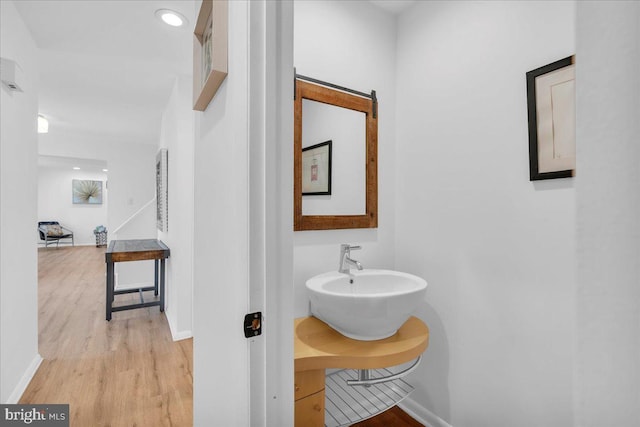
{"x":162,"y":279}
{"x":155,"y":292}
{"x":110,"y":295}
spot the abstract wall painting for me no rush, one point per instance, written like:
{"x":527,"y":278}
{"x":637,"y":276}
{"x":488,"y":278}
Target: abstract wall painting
{"x":86,"y":192}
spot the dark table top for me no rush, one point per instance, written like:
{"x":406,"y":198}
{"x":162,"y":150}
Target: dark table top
{"x":136,"y":250}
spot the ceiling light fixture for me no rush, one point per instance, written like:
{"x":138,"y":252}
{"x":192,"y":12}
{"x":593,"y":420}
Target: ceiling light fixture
{"x":76,"y":168}
{"x":171,"y":17}
{"x":43,"y":124}
{"x":105,"y":170}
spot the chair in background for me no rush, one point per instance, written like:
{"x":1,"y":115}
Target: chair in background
{"x":52,"y":231}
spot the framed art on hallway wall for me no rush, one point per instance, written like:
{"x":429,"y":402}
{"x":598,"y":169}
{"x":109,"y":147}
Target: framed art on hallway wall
{"x":86,"y":192}
{"x":162,"y":193}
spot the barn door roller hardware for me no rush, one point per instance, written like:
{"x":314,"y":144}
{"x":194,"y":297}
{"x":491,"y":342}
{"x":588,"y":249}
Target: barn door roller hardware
{"x":372,"y":96}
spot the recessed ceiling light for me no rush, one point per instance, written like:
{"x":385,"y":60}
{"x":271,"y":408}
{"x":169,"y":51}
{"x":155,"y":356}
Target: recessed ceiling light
{"x":105,"y":170}
{"x":43,"y":124}
{"x":76,"y":168}
{"x":171,"y":17}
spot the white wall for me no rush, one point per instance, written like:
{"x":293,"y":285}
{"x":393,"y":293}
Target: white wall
{"x":132,"y":166}
{"x":18,"y":206}
{"x":607,"y":365}
{"x":497,"y":251}
{"x":55,"y":204}
{"x":132,"y":184}
{"x":221,"y":252}
{"x":352,"y":44}
{"x":177,"y":137}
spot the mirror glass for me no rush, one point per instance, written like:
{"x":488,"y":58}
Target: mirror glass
{"x":346,"y":130}
{"x":335,"y":158}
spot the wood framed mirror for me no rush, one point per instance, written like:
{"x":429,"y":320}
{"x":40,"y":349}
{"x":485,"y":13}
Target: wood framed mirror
{"x":349,"y":120}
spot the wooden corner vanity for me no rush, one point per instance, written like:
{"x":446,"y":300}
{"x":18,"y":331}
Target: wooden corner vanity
{"x":318,"y":347}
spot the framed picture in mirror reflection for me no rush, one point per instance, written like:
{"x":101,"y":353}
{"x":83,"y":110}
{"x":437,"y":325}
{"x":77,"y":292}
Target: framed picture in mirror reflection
{"x":316,"y":169}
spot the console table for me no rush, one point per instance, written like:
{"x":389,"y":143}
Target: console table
{"x":136,"y":250}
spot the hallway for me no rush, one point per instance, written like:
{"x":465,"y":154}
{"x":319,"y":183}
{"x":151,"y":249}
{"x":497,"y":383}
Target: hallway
{"x":127,"y":372}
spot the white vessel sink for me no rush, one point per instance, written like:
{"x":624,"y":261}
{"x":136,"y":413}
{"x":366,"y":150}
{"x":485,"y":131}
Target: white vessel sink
{"x":365,"y":305}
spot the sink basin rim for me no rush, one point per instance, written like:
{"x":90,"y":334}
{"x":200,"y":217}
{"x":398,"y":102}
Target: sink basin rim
{"x":317,"y":283}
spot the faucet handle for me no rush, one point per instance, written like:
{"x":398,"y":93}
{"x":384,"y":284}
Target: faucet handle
{"x":346,"y":247}
{"x":345,"y":253}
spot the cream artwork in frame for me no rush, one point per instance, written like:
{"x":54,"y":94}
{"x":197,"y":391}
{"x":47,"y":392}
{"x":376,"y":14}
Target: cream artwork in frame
{"x":86,"y":192}
{"x":552,"y":124}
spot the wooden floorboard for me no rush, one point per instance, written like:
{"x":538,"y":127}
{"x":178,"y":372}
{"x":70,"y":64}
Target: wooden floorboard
{"x":394,"y":417}
{"x":127,"y":372}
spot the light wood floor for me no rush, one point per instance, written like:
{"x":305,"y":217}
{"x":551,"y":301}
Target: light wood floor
{"x":127,"y":372}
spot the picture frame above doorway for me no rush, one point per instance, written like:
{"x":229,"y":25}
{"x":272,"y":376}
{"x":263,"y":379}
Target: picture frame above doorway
{"x":210,"y":49}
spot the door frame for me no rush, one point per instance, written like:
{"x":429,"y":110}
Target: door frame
{"x":271,"y":216}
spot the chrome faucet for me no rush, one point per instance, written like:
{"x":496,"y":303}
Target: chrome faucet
{"x":345,"y":258}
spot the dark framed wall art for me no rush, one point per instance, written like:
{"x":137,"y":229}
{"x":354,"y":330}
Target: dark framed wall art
{"x":316,"y":169}
{"x":162,"y":193}
{"x":552,"y":123}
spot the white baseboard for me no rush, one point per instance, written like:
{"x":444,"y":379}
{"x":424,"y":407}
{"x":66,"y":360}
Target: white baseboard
{"x":25,"y":380}
{"x":182,"y":335}
{"x":65,"y":245}
{"x":178,"y":335}
{"x":422,"y":414}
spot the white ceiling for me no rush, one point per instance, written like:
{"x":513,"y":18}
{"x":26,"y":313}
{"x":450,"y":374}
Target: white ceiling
{"x":394,"y":6}
{"x":107,"y":67}
{"x":68,"y":163}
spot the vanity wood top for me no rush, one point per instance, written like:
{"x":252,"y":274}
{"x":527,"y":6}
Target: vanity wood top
{"x":318,"y":346}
